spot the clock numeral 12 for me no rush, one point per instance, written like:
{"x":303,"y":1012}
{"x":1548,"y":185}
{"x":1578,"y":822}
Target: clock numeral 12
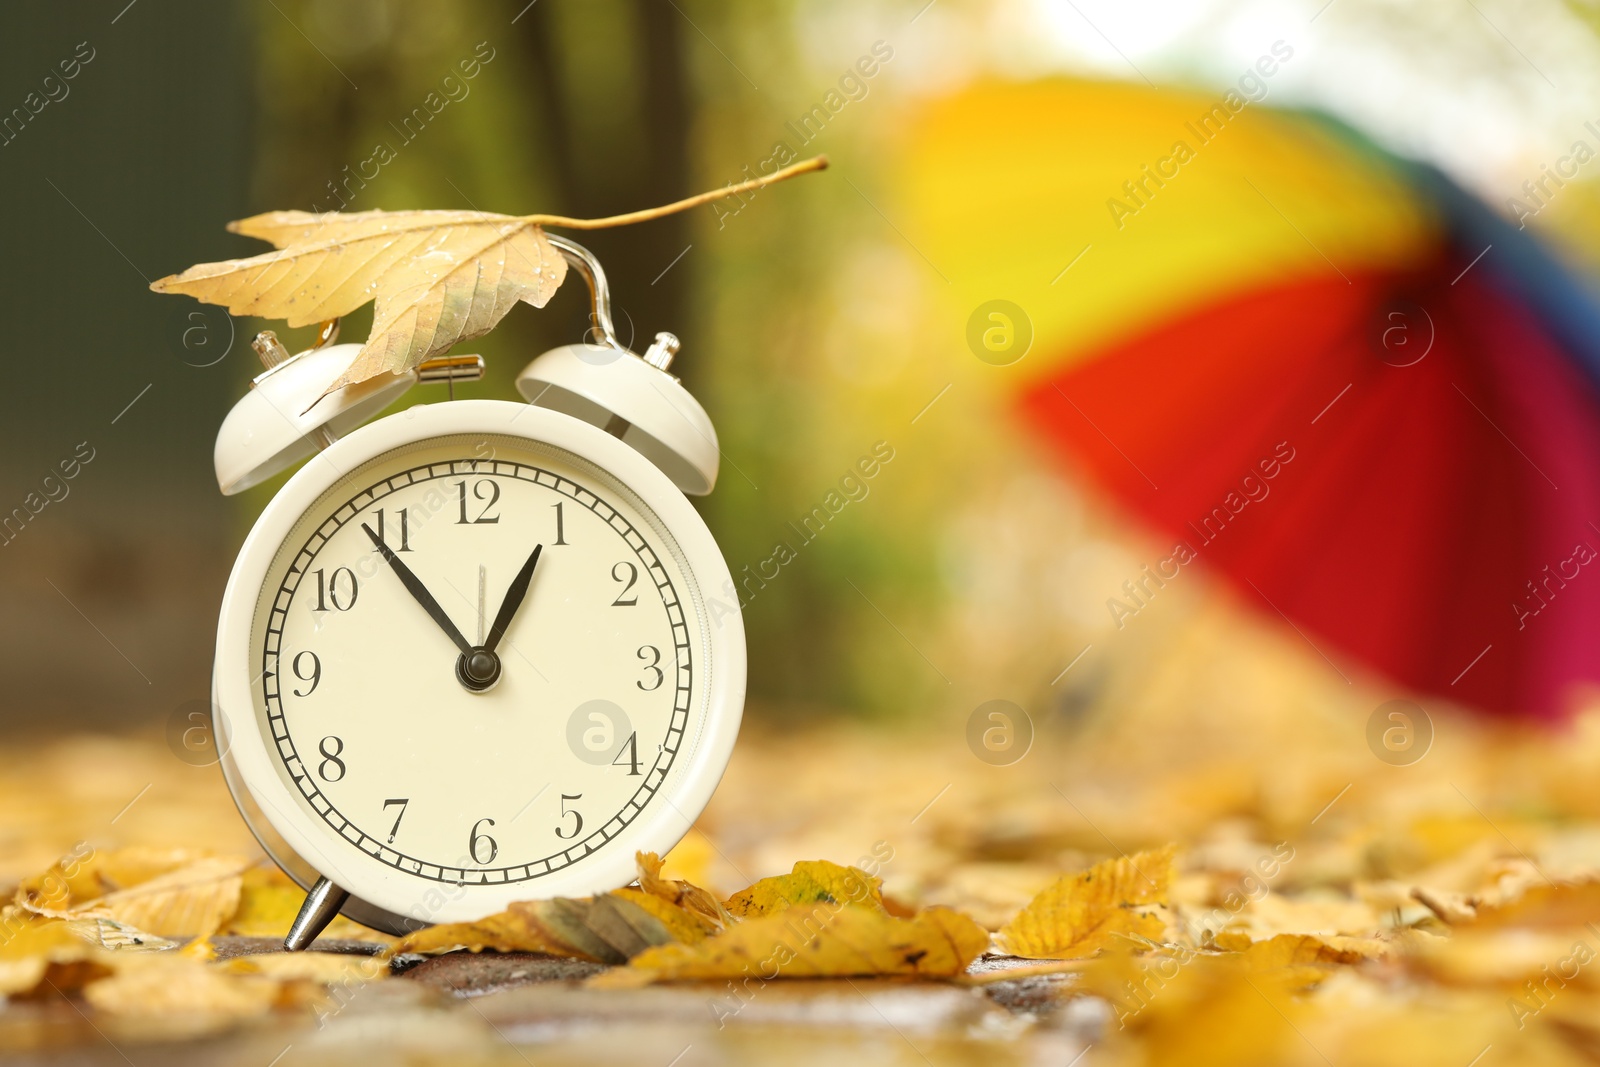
{"x":489,"y":501}
{"x":405,"y":530}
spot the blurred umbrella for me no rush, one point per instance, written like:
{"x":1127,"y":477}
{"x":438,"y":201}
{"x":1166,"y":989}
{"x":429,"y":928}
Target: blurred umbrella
{"x":1326,"y":372}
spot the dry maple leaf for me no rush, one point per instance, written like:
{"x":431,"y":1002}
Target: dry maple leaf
{"x":438,"y":277}
{"x":1081,"y":913}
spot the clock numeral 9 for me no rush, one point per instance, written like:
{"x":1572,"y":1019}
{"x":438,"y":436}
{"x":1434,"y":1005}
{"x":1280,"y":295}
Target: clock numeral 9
{"x":629,"y":582}
{"x":577,"y":819}
{"x":331,"y":769}
{"x":653,"y":654}
{"x":329,"y":590}
{"x":478,"y":841}
{"x":300,"y":672}
{"x":487,"y":491}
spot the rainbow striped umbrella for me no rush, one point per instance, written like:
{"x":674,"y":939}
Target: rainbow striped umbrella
{"x":1325,"y":372}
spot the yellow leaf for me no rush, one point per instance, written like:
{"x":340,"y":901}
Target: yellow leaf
{"x":438,"y":277}
{"x":811,"y":882}
{"x":609,"y":928}
{"x":170,"y":984}
{"x":169,"y":893}
{"x":683,"y":894}
{"x":1082,"y":913}
{"x":515,"y":930}
{"x":324,"y":968}
{"x":817,"y":941}
{"x":32,"y":945}
{"x":268,"y":903}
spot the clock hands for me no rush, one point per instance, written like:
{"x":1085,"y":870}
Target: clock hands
{"x":420,"y":593}
{"x":513,"y":600}
{"x":478,"y":667}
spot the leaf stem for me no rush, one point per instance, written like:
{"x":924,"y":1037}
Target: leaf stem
{"x":805,"y":166}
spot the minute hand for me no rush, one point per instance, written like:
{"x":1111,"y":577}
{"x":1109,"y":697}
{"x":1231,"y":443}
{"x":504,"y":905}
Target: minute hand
{"x":419,"y":592}
{"x":513,"y":600}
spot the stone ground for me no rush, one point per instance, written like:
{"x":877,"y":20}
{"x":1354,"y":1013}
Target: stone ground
{"x":523,"y":1008}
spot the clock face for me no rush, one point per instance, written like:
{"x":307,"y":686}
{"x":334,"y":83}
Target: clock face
{"x":481,"y":660}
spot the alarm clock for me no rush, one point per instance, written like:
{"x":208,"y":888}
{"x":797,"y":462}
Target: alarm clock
{"x":477,"y":651}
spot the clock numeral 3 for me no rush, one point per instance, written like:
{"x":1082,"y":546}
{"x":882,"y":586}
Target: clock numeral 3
{"x":329,"y":591}
{"x":653,"y":654}
{"x":387,"y":804}
{"x":479,"y":841}
{"x":314,"y":677}
{"x":488,"y":492}
{"x":331,"y":759}
{"x":577,"y":819}
{"x":629,"y":582}
{"x":405,"y":530}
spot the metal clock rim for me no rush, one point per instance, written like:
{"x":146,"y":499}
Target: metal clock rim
{"x":258,"y":790}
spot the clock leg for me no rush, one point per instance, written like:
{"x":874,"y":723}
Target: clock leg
{"x":322,"y":904}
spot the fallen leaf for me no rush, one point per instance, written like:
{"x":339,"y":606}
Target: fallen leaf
{"x":32,"y":945}
{"x":170,"y":893}
{"x":324,"y":968}
{"x":170,"y":984}
{"x":269,"y":902}
{"x":811,"y":882}
{"x":678,"y":892}
{"x":1082,"y":913}
{"x":816,"y":941}
{"x":609,"y":928}
{"x":439,"y":277}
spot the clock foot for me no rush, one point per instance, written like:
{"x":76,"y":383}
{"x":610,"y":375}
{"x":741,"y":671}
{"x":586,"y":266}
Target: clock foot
{"x":322,"y":904}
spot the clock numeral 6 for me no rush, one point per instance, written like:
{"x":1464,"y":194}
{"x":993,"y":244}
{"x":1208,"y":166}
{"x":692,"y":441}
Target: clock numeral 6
{"x":487,"y":491}
{"x":331,"y":769}
{"x":623,"y":600}
{"x":653,"y":654}
{"x":479,"y":841}
{"x":577,"y":819}
{"x":300,"y":672}
{"x":330,"y":591}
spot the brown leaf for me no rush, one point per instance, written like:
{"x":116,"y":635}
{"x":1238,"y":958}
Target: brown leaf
{"x":817,"y":941}
{"x":1082,"y":913}
{"x":439,"y":277}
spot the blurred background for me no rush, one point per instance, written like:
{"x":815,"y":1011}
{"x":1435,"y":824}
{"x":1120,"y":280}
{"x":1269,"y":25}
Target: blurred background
{"x":821,"y":319}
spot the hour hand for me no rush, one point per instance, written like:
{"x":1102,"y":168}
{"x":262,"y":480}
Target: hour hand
{"x":420,"y":593}
{"x":513,"y":600}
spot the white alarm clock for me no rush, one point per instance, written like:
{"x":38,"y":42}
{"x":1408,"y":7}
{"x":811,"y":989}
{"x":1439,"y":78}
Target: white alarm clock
{"x":478,"y":651}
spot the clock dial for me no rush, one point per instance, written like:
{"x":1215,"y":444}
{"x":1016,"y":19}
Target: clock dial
{"x":481,"y":660}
